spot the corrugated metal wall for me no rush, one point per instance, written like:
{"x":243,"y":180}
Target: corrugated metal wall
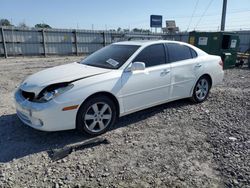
{"x":59,"y":42}
{"x":1,"y":44}
{"x":19,"y":42}
{"x":66,"y":42}
{"x":89,"y":42}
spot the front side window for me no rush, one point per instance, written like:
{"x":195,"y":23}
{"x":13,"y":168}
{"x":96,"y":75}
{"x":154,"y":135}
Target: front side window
{"x":152,"y":55}
{"x":178,"y":52}
{"x":110,"y":57}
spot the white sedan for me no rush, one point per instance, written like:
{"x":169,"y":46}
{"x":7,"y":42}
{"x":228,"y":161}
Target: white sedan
{"x":116,"y":80}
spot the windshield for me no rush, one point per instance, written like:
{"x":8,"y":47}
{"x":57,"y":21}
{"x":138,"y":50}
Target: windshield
{"x":110,"y":57}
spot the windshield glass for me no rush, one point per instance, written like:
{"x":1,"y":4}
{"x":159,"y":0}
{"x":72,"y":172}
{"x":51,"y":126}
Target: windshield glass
{"x":110,"y":57}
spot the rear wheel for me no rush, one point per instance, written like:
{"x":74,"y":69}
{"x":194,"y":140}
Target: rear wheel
{"x":201,"y":89}
{"x":96,"y":115}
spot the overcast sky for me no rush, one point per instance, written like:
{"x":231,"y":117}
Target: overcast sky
{"x":111,"y":14}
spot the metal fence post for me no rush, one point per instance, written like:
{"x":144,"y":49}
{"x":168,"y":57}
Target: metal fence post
{"x":76,"y":45}
{"x":4,"y":44}
{"x":104,"y":38}
{"x":44,"y":43}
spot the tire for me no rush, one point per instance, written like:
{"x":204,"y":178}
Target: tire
{"x":201,"y":89}
{"x":96,"y":116}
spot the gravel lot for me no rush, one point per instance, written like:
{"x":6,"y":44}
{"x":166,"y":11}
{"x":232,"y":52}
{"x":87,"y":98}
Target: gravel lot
{"x":178,"y":144}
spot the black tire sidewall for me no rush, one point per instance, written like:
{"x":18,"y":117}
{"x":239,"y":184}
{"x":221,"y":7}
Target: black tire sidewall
{"x":80,"y":125}
{"x":194,"y":97}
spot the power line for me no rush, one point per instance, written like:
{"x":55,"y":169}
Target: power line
{"x":216,"y":27}
{"x":216,"y":24}
{"x":235,"y":11}
{"x":216,"y":20}
{"x":210,"y":2}
{"x":193,"y":14}
{"x":210,"y":15}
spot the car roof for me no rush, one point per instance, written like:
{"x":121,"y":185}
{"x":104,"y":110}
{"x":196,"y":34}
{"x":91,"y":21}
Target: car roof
{"x":144,"y":43}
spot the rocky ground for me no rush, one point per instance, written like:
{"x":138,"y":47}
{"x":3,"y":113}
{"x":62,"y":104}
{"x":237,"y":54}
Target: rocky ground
{"x":179,"y":144}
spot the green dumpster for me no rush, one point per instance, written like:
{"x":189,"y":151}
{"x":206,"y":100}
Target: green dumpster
{"x":249,"y":62}
{"x":224,"y":44}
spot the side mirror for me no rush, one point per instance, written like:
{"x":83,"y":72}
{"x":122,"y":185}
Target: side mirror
{"x":137,"y":66}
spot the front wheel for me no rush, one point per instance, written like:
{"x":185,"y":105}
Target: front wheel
{"x":201,"y":89}
{"x":96,"y":115}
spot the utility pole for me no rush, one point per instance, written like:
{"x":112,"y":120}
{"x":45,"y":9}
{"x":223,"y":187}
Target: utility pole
{"x":223,"y":17}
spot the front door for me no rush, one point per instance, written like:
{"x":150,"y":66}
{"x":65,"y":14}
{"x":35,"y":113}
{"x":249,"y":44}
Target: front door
{"x":144,"y":88}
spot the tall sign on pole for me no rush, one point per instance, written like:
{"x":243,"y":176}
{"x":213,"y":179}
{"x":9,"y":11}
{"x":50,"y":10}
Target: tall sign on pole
{"x":223,"y":17}
{"x":156,"y":21}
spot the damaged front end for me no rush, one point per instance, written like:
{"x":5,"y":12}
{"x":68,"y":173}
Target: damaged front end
{"x":48,"y":93}
{"x":36,"y":94}
{"x":52,"y":91}
{"x":38,"y":109}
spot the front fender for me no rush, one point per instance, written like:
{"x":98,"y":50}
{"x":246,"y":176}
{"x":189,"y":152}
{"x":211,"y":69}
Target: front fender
{"x":110,"y":83}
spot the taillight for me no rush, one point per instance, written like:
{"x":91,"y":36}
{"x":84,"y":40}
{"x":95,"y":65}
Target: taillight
{"x":221,"y":63}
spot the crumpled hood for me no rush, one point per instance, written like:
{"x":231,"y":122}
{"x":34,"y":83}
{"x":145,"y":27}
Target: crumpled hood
{"x":63,"y":73}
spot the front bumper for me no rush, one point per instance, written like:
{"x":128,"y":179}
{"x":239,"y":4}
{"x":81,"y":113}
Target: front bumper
{"x":44,"y":116}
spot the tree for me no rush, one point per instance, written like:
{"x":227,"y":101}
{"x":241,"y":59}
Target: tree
{"x":23,"y":25}
{"x":141,"y":30}
{"x":126,"y":30}
{"x":5,"y":22}
{"x":43,"y":25}
{"x":136,"y":30}
{"x":119,"y":29}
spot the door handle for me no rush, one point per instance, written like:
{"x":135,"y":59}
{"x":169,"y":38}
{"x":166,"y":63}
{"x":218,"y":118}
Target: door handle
{"x":165,"y":72}
{"x":198,"y":65}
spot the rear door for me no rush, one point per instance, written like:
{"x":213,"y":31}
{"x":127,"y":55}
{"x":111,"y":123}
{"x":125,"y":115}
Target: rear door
{"x":184,"y":67}
{"x":144,"y":88}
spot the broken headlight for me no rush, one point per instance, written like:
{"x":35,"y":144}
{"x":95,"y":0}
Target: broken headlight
{"x":53,"y":91}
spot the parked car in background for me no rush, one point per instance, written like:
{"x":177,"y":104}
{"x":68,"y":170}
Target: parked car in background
{"x":116,"y":80}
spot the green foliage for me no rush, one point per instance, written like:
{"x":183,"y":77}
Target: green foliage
{"x":23,"y":25}
{"x":119,"y":29}
{"x":141,"y":30}
{"x":43,"y":25}
{"x":5,"y":22}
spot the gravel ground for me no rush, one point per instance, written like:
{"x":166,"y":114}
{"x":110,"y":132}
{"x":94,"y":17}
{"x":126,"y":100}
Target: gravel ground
{"x":178,"y":144}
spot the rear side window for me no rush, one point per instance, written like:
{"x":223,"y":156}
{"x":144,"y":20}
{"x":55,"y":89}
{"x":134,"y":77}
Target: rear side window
{"x":194,"y":54}
{"x":178,"y":52}
{"x":152,"y":55}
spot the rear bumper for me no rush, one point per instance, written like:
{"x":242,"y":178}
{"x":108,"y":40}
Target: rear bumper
{"x":44,"y":116}
{"x":218,"y":78}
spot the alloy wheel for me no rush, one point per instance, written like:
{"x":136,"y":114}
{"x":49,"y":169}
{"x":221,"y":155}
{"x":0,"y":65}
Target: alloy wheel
{"x":202,"y":89}
{"x":97,"y":117}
